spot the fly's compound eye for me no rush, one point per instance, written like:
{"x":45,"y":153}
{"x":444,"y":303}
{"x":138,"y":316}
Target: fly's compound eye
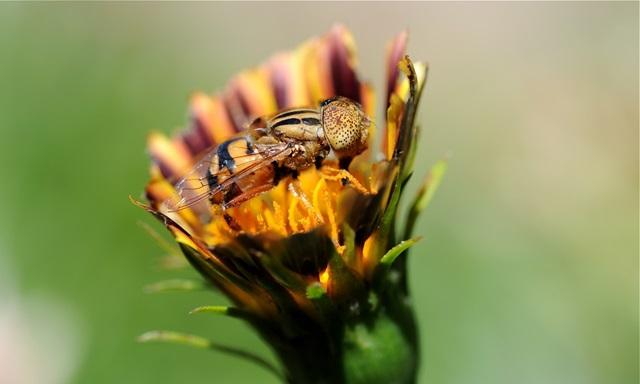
{"x":346,"y":126}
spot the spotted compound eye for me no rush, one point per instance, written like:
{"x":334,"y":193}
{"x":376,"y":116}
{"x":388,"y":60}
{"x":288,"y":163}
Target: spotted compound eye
{"x":346,"y":127}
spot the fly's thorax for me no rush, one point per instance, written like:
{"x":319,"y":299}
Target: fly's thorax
{"x":301,"y":128}
{"x":296,"y":124}
{"x":345,"y":125}
{"x":305,"y":154}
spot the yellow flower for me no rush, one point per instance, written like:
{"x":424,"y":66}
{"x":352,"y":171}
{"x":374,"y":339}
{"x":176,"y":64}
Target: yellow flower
{"x":311,"y":260}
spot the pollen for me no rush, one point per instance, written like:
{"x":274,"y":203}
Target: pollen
{"x":295,"y":206}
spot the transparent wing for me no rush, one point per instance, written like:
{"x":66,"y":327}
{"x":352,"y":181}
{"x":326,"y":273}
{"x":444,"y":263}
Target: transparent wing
{"x":195,"y":186}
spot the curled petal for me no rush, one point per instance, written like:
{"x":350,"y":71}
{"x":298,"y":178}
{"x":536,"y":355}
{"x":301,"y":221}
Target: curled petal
{"x":395,"y":53}
{"x":288,"y":80}
{"x":209,"y":113}
{"x":171,"y":159}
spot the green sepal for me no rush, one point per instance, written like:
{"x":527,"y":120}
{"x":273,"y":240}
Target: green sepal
{"x":424,"y":195}
{"x":252,"y":261}
{"x":203,"y":343}
{"x":173,"y":262}
{"x":176,"y":285}
{"x":387,"y":260}
{"x":323,"y":304}
{"x":218,"y":276}
{"x":345,"y":288}
{"x":387,"y":274}
{"x":321,"y":300}
{"x":236,"y":313}
{"x":173,"y":259}
{"x":407,"y":137}
{"x":240,"y":254}
{"x":405,"y":149}
{"x":297,"y":256}
{"x":174,"y":338}
{"x":386,"y":227}
{"x":283,"y":275}
{"x":316,"y":292}
{"x":221,"y":310}
{"x":410,"y":159}
{"x":349,"y":255}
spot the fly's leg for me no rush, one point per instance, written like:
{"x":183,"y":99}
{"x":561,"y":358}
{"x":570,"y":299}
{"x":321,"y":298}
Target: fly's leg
{"x":345,"y":177}
{"x":231,"y":222}
{"x":294,"y":187}
{"x":221,"y":210}
{"x":246,"y":195}
{"x":239,"y":199}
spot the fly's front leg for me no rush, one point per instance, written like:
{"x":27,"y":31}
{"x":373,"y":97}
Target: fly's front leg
{"x":221,"y":210}
{"x":239,"y":199}
{"x":345,"y":177}
{"x":293,"y":185}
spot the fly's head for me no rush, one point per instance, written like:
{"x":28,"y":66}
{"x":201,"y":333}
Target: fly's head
{"x":346,"y":126}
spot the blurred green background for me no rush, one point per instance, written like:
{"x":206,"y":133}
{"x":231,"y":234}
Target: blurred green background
{"x":529,"y":268}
